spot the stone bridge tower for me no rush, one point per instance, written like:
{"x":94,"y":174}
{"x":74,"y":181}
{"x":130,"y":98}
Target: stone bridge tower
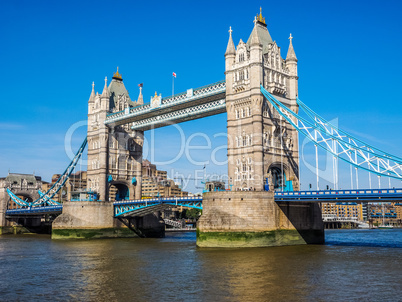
{"x":25,"y":186}
{"x":262,"y":147}
{"x":114,"y":153}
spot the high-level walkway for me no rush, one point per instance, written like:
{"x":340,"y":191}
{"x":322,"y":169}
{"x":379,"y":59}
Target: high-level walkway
{"x":193,"y":104}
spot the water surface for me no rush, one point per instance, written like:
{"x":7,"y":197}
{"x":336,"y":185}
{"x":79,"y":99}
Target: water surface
{"x":362,"y":265}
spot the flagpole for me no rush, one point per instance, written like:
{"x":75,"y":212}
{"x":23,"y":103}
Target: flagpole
{"x":172,"y":85}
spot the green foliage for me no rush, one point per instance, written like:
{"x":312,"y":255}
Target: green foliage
{"x":191,"y":214}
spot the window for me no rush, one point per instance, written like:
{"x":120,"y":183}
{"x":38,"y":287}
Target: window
{"x":237,"y":113}
{"x":242,"y":75}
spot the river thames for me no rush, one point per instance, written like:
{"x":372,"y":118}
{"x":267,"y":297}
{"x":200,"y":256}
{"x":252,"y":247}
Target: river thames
{"x":353,"y":265}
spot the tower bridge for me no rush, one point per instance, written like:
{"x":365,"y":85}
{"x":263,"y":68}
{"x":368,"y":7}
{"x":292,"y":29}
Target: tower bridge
{"x":260,"y":96}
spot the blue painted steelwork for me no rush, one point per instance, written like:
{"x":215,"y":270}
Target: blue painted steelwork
{"x":16,"y":199}
{"x":323,"y":122}
{"x":125,"y":207}
{"x":372,"y":195}
{"x":166,"y":100}
{"x":46,"y":198}
{"x":337,"y":142}
{"x":51,"y":201}
{"x":376,"y":195}
{"x":35,"y":210}
{"x":203,"y":101}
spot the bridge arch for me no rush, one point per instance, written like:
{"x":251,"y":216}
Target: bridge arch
{"x":119,"y":190}
{"x":277,"y":177}
{"x":24,"y":195}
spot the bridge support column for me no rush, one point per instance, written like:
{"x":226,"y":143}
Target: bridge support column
{"x":88,"y":219}
{"x":4,"y":226}
{"x":254,"y":219}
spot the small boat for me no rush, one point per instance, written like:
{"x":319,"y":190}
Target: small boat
{"x":388,"y":226}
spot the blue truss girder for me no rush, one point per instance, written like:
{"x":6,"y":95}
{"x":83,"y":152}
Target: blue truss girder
{"x":46,"y":198}
{"x":35,"y":210}
{"x":192,"y":100}
{"x":124,"y":207}
{"x":17,"y":200}
{"x":338,"y":143}
{"x":50,"y":201}
{"x":361,"y":195}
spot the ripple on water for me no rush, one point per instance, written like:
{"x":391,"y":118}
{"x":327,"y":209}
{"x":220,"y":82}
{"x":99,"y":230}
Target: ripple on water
{"x":353,"y":265}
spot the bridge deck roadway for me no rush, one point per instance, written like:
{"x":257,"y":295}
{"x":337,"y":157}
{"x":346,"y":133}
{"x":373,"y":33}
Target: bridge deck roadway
{"x":363,"y":195}
{"x":34,"y":211}
{"x":196,"y":103}
{"x":146,"y":206}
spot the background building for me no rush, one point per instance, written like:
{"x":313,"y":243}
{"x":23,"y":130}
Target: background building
{"x":156,"y":184}
{"x":385,"y":213}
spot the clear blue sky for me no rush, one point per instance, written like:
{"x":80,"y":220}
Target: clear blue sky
{"x":349,"y":56}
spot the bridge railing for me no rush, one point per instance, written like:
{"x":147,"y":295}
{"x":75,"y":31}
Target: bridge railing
{"x":148,"y":200}
{"x":342,"y":194}
{"x":34,"y":210}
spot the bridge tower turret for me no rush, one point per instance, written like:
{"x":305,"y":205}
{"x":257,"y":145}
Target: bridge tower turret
{"x":98,"y":106}
{"x":291,"y":65}
{"x":261,"y":146}
{"x":114,"y":153}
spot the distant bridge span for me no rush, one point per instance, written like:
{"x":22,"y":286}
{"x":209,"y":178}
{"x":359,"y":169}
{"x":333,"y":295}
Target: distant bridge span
{"x":143,"y":207}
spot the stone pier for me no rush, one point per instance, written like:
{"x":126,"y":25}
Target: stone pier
{"x":89,"y":219}
{"x":254,"y":219}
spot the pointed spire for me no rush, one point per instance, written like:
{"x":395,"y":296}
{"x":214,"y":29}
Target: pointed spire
{"x":105,"y":92}
{"x":255,"y":40}
{"x":291,"y":56}
{"x":260,"y":18}
{"x":140,"y":100}
{"x":117,"y":75}
{"x":230,"y":49}
{"x":92,"y":96}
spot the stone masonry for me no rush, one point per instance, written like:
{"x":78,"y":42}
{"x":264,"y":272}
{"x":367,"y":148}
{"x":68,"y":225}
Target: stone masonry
{"x":261,"y":146}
